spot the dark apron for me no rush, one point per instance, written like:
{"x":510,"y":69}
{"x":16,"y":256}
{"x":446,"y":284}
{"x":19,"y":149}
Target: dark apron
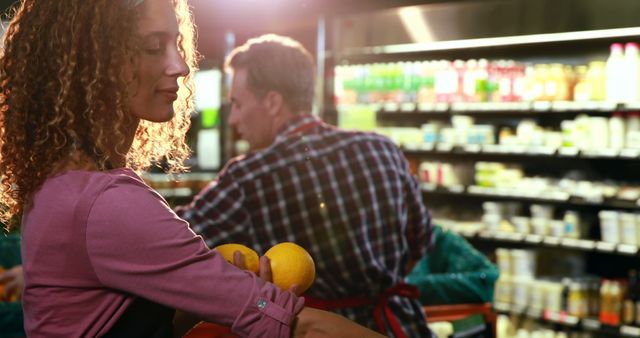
{"x":143,"y":318}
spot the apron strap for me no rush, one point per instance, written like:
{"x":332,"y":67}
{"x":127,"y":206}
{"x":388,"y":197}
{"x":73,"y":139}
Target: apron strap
{"x":381,"y":302}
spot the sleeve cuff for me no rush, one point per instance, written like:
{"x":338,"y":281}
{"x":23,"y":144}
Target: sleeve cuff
{"x":269,"y":312}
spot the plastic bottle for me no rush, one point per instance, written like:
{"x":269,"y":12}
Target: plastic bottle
{"x":605,"y":302}
{"x":616,"y":131}
{"x":632,"y":72}
{"x":616,"y":303}
{"x":633,"y":131}
{"x":615,"y":74}
{"x":582,"y":91}
{"x":597,"y":77}
{"x":630,"y":297}
{"x":572,"y":224}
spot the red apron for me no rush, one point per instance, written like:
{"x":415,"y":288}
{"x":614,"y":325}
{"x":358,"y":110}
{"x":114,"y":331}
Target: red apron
{"x":381,"y":302}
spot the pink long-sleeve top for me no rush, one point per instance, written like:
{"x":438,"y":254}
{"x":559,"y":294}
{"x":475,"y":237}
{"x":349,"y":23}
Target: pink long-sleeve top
{"x":94,"y":241}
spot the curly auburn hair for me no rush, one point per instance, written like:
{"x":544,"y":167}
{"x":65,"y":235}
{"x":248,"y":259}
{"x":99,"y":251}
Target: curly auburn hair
{"x":63,"y":88}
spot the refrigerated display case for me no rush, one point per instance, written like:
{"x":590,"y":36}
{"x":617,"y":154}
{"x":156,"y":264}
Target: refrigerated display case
{"x":504,"y":109}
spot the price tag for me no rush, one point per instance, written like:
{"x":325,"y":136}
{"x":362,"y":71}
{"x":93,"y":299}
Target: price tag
{"x":485,"y":234}
{"x":591,"y":324}
{"x":531,"y":238}
{"x":478,"y":190}
{"x":515,"y":237}
{"x":609,"y":152}
{"x":586,"y":244}
{"x":573,"y":105}
{"x":444,"y":147}
{"x":605,"y":247}
{"x":568,"y":151}
{"x":440,"y":107}
{"x":630,"y":153}
{"x":500,"y":235}
{"x":391,"y":106}
{"x":627,"y":249}
{"x":607,"y":106}
{"x":460,"y":106}
{"x":492,"y":148}
{"x":551,"y":240}
{"x":517,"y":149}
{"x":571,"y":320}
{"x":559,"y":196}
{"x":427,"y":146}
{"x":458,"y":189}
{"x":561,"y":105}
{"x":412,"y":146}
{"x":472,"y":148}
{"x":541,"y":105}
{"x":590,"y":105}
{"x":522,"y":106}
{"x":630,"y":331}
{"x":569,"y":242}
{"x":408,"y":107}
{"x":542,"y":150}
{"x":427,"y":107}
{"x":428,"y":186}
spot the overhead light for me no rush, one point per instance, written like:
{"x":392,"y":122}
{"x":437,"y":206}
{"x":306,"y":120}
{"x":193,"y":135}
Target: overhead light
{"x":415,"y":24}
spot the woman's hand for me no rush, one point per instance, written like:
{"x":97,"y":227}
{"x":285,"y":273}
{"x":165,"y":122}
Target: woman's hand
{"x":265,"y":265}
{"x":14,"y":283}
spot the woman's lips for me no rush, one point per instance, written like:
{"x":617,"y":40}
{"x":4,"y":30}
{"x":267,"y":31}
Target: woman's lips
{"x":170,"y":94}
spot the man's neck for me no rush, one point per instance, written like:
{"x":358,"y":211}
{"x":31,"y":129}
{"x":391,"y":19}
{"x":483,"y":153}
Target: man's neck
{"x":281,"y":120}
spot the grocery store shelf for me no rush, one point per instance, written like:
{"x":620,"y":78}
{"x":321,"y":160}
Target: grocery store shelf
{"x":588,"y":245}
{"x":519,"y":152}
{"x":557,"y":198}
{"x":587,"y":324}
{"x":509,"y":109}
{"x":519,"y":40}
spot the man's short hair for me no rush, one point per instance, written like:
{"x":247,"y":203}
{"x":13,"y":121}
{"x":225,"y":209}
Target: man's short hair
{"x":277,"y":63}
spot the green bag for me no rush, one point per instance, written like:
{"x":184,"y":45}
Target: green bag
{"x":453,"y":272}
{"x":11,"y":319}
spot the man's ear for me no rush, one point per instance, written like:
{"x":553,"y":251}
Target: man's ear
{"x":274,"y":102}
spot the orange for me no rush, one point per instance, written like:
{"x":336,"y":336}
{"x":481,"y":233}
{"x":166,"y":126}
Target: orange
{"x":251,"y":260}
{"x":291,"y":265}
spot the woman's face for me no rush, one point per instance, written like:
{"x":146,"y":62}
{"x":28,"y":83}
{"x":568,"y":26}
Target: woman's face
{"x":159,"y":65}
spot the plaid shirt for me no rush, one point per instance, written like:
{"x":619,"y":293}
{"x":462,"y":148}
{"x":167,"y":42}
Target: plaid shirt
{"x":347,"y":197}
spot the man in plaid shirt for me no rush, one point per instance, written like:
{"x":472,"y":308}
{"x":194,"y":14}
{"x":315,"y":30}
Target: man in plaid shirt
{"x":347,"y":197}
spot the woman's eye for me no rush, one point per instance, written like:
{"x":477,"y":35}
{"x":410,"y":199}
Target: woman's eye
{"x":152,"y":47}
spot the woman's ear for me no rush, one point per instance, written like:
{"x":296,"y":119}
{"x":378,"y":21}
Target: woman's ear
{"x":274,"y":102}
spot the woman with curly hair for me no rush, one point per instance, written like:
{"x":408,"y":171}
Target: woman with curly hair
{"x":92,"y":92}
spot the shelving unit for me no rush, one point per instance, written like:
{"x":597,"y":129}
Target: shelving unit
{"x":574,"y":47}
{"x":553,"y":318}
{"x":481,"y":193}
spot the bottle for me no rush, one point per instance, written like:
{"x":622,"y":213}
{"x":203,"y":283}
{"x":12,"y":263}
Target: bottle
{"x":582,"y":91}
{"x":616,"y":131}
{"x":597,"y":78}
{"x":632,"y":72}
{"x":605,"y":301}
{"x":615,"y":74}
{"x":615,"y":303}
{"x":571,"y":224}
{"x":630,"y":297}
{"x":632,"y":140}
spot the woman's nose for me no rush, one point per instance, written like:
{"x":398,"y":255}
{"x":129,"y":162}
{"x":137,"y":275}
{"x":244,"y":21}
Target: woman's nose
{"x":177,"y":66}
